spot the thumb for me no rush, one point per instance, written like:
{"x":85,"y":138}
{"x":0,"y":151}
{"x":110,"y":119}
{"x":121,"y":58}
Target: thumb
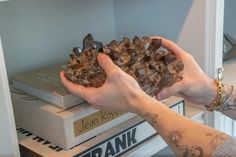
{"x":106,"y":63}
{"x":168,"y":91}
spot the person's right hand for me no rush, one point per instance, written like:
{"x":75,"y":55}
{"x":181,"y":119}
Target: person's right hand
{"x":120,"y":91}
{"x":196,"y":86}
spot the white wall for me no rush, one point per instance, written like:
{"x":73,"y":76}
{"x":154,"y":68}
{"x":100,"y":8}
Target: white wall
{"x":37,"y":33}
{"x":183,"y":22}
{"x":192,"y":34}
{"x":152,"y":17}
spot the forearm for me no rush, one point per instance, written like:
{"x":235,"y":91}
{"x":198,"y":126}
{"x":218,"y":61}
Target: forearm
{"x":184,"y":136}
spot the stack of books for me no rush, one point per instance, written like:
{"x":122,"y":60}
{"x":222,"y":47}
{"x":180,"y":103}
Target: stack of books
{"x":134,"y":137}
{"x":45,"y":108}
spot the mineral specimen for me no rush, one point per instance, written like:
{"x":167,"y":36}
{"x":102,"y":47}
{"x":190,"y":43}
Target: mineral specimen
{"x":143,"y":58}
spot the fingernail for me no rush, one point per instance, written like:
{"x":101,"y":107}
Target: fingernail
{"x":101,"y":55}
{"x":61,"y":73}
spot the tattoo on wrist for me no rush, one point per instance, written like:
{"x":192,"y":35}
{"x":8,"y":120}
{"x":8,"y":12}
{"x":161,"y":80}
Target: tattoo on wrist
{"x":230,"y":101}
{"x":175,"y":138}
{"x":151,"y":118}
{"x":216,"y":139}
{"x":229,"y":106}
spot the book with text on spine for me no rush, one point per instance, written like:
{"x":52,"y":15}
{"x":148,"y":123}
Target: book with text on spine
{"x":44,"y":83}
{"x":64,"y":128}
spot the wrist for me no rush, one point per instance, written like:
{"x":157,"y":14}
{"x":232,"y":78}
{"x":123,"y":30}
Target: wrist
{"x":142,"y":102}
{"x":221,"y":98}
{"x":211,"y":95}
{"x":135,"y":101}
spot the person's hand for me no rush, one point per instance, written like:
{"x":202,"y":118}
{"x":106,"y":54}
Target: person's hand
{"x":196,"y":86}
{"x":120,"y":91}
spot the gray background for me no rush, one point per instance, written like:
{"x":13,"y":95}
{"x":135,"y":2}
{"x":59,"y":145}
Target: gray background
{"x":230,"y":18}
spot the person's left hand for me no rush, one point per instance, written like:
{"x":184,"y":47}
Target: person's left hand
{"x":120,"y":91}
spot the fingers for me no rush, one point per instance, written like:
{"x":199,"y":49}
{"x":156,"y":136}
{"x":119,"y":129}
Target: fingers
{"x":106,"y":63}
{"x":169,"y":91}
{"x":76,"y":89}
{"x":170,"y":45}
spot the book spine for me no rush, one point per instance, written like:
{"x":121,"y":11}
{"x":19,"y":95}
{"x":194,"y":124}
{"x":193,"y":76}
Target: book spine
{"x":113,"y":144}
{"x":122,"y":142}
{"x":73,"y":126}
{"x":94,"y":120}
{"x":55,"y":99}
{"x":81,"y":124}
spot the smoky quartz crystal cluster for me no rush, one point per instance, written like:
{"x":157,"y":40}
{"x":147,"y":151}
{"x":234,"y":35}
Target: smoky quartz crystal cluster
{"x":143,"y":58}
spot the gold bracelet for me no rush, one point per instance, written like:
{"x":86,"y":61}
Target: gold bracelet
{"x":220,"y":97}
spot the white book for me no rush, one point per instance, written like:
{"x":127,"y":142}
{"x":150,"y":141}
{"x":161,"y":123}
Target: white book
{"x":64,"y":128}
{"x":134,"y":137}
{"x":45,"y":84}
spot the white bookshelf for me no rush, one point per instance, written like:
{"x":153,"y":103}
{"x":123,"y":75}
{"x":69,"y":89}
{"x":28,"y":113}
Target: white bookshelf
{"x":8,"y":144}
{"x":229,"y":77}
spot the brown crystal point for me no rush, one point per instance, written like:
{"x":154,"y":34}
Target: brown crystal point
{"x":155,"y":44}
